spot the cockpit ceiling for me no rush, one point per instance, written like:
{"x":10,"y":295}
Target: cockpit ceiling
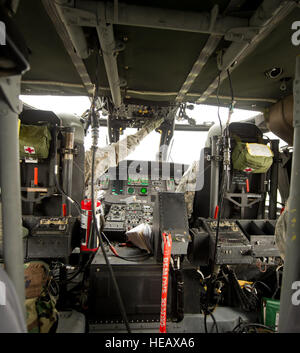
{"x":156,"y":62}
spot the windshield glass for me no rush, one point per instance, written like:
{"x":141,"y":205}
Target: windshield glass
{"x":185,"y":146}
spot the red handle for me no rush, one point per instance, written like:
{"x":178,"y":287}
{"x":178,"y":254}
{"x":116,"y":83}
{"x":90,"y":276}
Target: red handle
{"x":36,"y":176}
{"x":216,"y":212}
{"x":64,"y":210}
{"x":247,"y":185}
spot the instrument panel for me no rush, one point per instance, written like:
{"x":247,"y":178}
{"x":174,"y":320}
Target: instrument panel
{"x":139,"y":180}
{"x":130,"y":191}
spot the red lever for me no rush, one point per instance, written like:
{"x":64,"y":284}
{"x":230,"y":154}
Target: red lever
{"x":216,"y":212}
{"x":165,"y":280}
{"x":247,"y":185}
{"x":36,"y":176}
{"x":64,"y":209}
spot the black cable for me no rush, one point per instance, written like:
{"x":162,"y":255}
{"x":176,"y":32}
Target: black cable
{"x":133,"y":258}
{"x":265,"y":285}
{"x":205,"y":323}
{"x":230,"y":84}
{"x":223,"y":184}
{"x":232,"y":99}
{"x":97,"y":74}
{"x":277,"y":284}
{"x":204,"y":306}
{"x":245,"y":325}
{"x":209,"y":313}
{"x":215,"y":321}
{"x":218,"y":89}
{"x":264,"y":135}
{"x":82,"y":268}
{"x":112,"y":275}
{"x":137,"y":256}
{"x":221,"y":200}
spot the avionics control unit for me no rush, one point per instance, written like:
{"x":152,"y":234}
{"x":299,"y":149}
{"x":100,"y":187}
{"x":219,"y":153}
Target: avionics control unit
{"x":239,"y":242}
{"x":130,"y":192}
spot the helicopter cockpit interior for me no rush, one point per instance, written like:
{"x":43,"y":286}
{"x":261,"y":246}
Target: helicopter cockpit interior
{"x":111,"y":244}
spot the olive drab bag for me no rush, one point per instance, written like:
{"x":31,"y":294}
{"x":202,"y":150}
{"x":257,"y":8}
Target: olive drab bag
{"x":34,"y":141}
{"x":252,"y":157}
{"x":41,"y":313}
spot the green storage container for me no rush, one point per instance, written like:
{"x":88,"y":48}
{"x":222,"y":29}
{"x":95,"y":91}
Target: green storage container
{"x":252,"y":157}
{"x":34,"y":141}
{"x":270,"y":313}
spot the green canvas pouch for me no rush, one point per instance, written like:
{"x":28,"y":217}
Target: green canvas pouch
{"x":252,"y":157}
{"x":34,"y":141}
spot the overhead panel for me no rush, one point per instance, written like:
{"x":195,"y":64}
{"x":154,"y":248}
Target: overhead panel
{"x":156,"y":62}
{"x":269,"y":15}
{"x":249,"y":79}
{"x":276,"y":51}
{"x":163,"y":67}
{"x":48,"y":58}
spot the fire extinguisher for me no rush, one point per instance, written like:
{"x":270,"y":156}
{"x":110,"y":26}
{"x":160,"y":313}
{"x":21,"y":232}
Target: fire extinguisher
{"x":88,"y":241}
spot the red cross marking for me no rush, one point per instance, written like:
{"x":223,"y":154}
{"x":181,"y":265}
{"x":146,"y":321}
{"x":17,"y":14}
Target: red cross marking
{"x":29,"y":150}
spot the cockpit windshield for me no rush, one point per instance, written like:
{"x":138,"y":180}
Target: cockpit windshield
{"x":185,"y":146}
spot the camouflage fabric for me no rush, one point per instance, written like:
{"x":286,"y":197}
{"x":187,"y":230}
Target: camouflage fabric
{"x":187,"y":185}
{"x":111,"y":155}
{"x":105,"y":158}
{"x":12,"y":318}
{"x":40,"y":303}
